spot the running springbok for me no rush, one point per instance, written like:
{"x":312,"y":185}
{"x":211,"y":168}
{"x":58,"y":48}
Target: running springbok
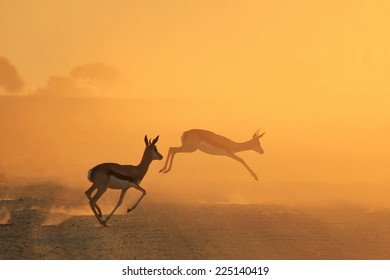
{"x":115,"y":176}
{"x":213,"y":144}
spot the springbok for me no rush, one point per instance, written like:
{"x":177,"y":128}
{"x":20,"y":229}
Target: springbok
{"x":213,"y":144}
{"x":115,"y":176}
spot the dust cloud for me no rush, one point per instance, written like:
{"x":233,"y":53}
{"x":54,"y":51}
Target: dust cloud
{"x":86,"y":91}
{"x":61,"y":139}
{"x":322,"y":182}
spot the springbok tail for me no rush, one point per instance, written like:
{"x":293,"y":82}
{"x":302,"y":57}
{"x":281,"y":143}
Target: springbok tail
{"x":90,"y":174}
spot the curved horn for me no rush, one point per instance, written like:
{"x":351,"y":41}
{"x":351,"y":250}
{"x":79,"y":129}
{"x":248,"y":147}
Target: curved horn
{"x":146,"y":140}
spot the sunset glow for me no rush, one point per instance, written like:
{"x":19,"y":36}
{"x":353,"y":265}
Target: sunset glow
{"x":96,"y":76}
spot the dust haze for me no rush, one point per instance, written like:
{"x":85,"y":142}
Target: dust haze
{"x":306,"y":162}
{"x":322,"y":192}
{"x":82,"y":82}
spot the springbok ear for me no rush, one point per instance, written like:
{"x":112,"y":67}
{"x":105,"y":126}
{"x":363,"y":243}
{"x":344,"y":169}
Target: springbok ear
{"x":155,"y":140}
{"x":146,"y":140}
{"x":261,"y":135}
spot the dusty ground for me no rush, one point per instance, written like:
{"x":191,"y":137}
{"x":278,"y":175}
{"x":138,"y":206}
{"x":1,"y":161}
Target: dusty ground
{"x":52,"y":222}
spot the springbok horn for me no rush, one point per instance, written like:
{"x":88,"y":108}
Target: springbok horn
{"x":146,"y":140}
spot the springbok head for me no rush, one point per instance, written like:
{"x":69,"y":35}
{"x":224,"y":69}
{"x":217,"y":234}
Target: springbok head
{"x":256,"y":142}
{"x":152,"y":148}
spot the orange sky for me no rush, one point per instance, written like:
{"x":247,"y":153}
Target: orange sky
{"x":313,"y":74}
{"x":224,"y":48}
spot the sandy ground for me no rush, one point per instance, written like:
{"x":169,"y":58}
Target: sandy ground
{"x":52,"y":222}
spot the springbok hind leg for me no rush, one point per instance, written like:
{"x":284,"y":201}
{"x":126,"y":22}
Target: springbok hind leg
{"x":173,"y":151}
{"x":88,"y":193}
{"x":166,"y":161}
{"x":94,"y":206}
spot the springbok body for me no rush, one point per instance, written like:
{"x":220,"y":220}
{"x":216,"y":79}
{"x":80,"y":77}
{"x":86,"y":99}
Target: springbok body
{"x":116,"y":176}
{"x":214,"y":144}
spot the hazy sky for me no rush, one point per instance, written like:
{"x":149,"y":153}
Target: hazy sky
{"x":293,"y":49}
{"x":313,"y":74}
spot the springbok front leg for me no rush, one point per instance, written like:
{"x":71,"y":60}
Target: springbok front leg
{"x":123,"y":193}
{"x":138,"y":187}
{"x":233,"y":156}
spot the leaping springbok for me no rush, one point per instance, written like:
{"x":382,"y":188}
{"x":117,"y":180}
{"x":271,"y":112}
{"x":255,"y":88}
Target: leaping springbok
{"x":213,"y":144}
{"x":122,"y":177}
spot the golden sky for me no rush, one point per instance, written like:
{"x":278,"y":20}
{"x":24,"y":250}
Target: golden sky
{"x":224,"y":48}
{"x":313,"y":74}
